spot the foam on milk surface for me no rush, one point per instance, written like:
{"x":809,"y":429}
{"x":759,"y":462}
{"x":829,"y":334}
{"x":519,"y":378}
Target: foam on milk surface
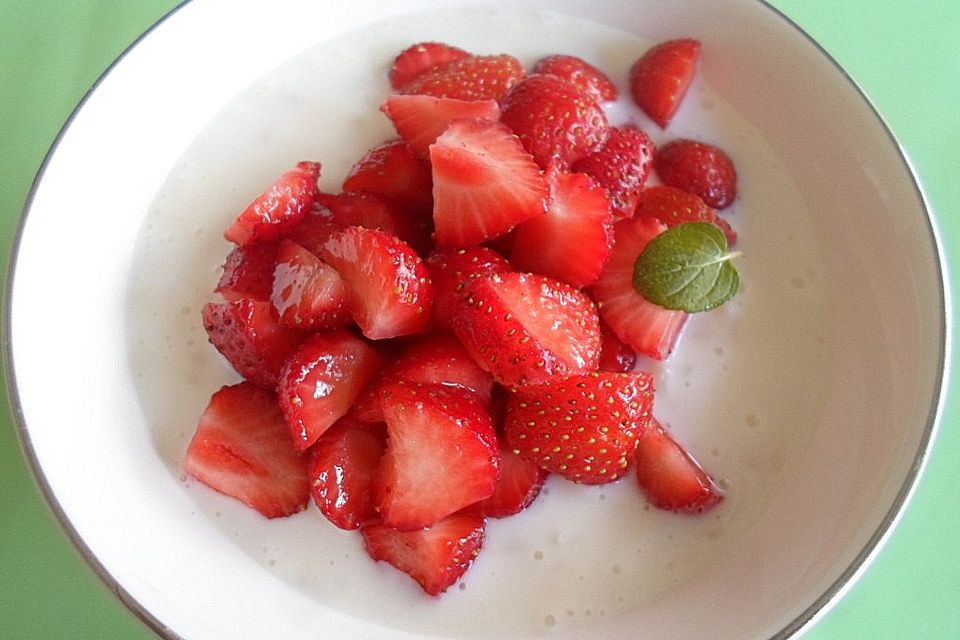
{"x":741,"y":389}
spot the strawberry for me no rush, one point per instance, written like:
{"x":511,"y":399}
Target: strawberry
{"x":484,"y":183}
{"x":388,"y":287}
{"x":421,"y":119}
{"x":450,"y":269}
{"x":673,"y":206}
{"x":615,"y":355}
{"x":420,"y":59}
{"x":394,"y":171}
{"x":348,"y":209}
{"x":670,"y":477}
{"x":321,"y":379}
{"x":250,"y":338}
{"x":554,"y":120}
{"x":621,"y":166}
{"x":277,"y":209}
{"x":699,"y":168}
{"x":242,"y":448}
{"x":473,"y":78}
{"x":571,"y":242}
{"x":248,"y":272}
{"x":442,"y":454}
{"x":343,"y":464}
{"x":583,"y":427}
{"x":648,"y":328}
{"x":436,"y":557}
{"x":525,"y":328}
{"x":584,"y":76}
{"x":659,"y":79}
{"x":519,"y":485}
{"x":307,"y":293}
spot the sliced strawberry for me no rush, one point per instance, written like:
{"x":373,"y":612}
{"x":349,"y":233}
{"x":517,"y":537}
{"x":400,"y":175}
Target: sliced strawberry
{"x":279,"y":208}
{"x":583,"y":75}
{"x":320,"y":381}
{"x":484,"y":183}
{"x":421,"y":119}
{"x":673,"y":206}
{"x":419,"y":59}
{"x":473,"y":78}
{"x":554,"y":120}
{"x":343,"y":464}
{"x":394,"y":171}
{"x":669,"y":475}
{"x":571,"y":242}
{"x":699,"y":168}
{"x":388,"y":287}
{"x":519,"y":485}
{"x":660,"y":78}
{"x":315,"y":229}
{"x":525,"y":328}
{"x":250,"y":338}
{"x":583,"y":427}
{"x":648,"y":328}
{"x":348,"y":209}
{"x":248,"y":272}
{"x":622,"y":167}
{"x":442,"y":454}
{"x":615,"y":355}
{"x":242,"y":448}
{"x":436,"y":557}
{"x":307,"y":294}
{"x":450,"y":269}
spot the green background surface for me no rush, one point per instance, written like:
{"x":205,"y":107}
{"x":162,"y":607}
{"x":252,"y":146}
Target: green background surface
{"x":906,"y":56}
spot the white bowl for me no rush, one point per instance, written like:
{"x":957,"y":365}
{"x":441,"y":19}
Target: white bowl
{"x":814,"y":395}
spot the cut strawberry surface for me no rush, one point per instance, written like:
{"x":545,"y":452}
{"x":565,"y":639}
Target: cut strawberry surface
{"x":242,"y":448}
{"x":525,"y":328}
{"x":571,"y":242}
{"x":250,"y":338}
{"x":660,"y":78}
{"x":622,"y":167}
{"x":582,"y":427}
{"x":484,"y":183}
{"x":348,"y":209}
{"x":554,"y":120}
{"x":388,"y":287}
{"x":419,"y":59}
{"x":442,"y":454}
{"x":320,"y":381}
{"x":420,"y":119}
{"x":279,"y":208}
{"x":343,"y":464}
{"x":436,"y":557}
{"x":394,"y":171}
{"x":451,"y":269}
{"x":699,"y":168}
{"x":615,"y":355}
{"x":584,"y":76}
{"x":669,"y":475}
{"x":673,"y":206}
{"x":248,"y":272}
{"x":648,"y":328}
{"x":473,"y":78}
{"x":307,"y":293}
{"x":519,"y":485}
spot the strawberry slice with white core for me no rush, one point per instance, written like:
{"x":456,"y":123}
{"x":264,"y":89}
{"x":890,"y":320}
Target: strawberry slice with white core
{"x":279,"y":208}
{"x":242,"y":448}
{"x":320,"y":381}
{"x":307,"y":293}
{"x":670,"y":477}
{"x":436,"y":557}
{"x":420,"y":119}
{"x":484,"y":183}
{"x":388,"y":287}
{"x":248,"y":272}
{"x":442,"y":454}
{"x":451,"y":269}
{"x":519,"y":485}
{"x":525,"y":328}
{"x":648,"y":328}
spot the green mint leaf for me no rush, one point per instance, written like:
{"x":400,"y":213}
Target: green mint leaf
{"x":687,"y":268}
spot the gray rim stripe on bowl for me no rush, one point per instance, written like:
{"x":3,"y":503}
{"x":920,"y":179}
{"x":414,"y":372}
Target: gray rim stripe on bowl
{"x":809,"y":615}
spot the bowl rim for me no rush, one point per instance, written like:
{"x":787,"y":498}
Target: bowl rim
{"x":804,"y":620}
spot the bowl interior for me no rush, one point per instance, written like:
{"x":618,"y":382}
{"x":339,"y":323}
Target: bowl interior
{"x":811,"y":396}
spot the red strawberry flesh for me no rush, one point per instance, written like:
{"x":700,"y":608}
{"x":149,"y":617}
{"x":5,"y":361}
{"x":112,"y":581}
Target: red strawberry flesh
{"x":278,"y":209}
{"x":699,"y":168}
{"x":584,"y":76}
{"x":307,"y":293}
{"x":248,"y":272}
{"x":660,"y":78}
{"x":622,"y":167}
{"x":673,"y":206}
{"x":421,"y":119}
{"x":473,"y":78}
{"x":419,"y":59}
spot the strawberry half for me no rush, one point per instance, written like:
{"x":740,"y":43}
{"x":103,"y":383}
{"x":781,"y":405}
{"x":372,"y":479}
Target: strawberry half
{"x":584,"y":76}
{"x":320,"y":381}
{"x":519,"y":485}
{"x":248,"y":272}
{"x":670,"y":477}
{"x":571,"y":242}
{"x":473,"y":78}
{"x":242,"y":448}
{"x":442,"y":454}
{"x":420,"y":59}
{"x":554,"y":120}
{"x":343,"y":464}
{"x":660,"y":78}
{"x":526,"y":328}
{"x":388,"y":287}
{"x":420,"y":119}
{"x":277,"y":209}
{"x":648,"y":328}
{"x":348,"y":209}
{"x":436,"y":557}
{"x":451,"y":269}
{"x":484,"y":183}
{"x":673,"y":206}
{"x":699,"y":168}
{"x":307,"y":293}
{"x":615,"y":355}
{"x":583,"y":427}
{"x":394,"y":171}
{"x":622,"y":167}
